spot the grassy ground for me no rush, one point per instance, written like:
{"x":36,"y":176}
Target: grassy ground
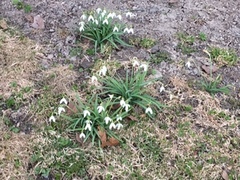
{"x":192,"y":138}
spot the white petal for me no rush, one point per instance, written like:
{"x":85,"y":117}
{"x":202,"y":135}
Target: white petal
{"x":98,"y":10}
{"x":52,"y":119}
{"x":94,"y":79}
{"x":149,"y":110}
{"x":86,"y":113}
{"x":82,"y":135}
{"x":90,"y":18}
{"x":130,"y":31}
{"x":125,"y":30}
{"x":60,"y":110}
{"x":63,"y":100}
{"x":105,"y":21}
{"x":162,"y":88}
{"x":112,"y":125}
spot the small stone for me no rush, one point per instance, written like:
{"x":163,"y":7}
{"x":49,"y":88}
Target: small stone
{"x":154,"y":49}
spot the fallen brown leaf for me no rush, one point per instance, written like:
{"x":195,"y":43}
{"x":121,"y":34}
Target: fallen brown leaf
{"x":38,"y":22}
{"x":225,"y":175}
{"x":132,"y":118}
{"x":29,"y":18}
{"x":103,"y":137}
{"x":3,"y":24}
{"x":209,"y":69}
{"x":112,"y":142}
{"x":72,"y":109}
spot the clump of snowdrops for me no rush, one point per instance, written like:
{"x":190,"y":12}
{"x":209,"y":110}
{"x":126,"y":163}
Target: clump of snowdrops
{"x":104,"y":27}
{"x":109,"y":108}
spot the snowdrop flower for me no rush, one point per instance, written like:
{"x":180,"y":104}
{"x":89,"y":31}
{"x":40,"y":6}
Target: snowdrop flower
{"x":162,"y":88}
{"x":96,"y":22}
{"x":107,"y":119}
{"x":144,"y":66}
{"x":111,"y":15}
{"x":119,"y":118}
{"x":122,"y":103}
{"x":88,"y":126}
{"x":94,"y":79}
{"x":81,"y":28}
{"x":90,"y":18}
{"x":112,"y":125}
{"x":188,"y":65}
{"x":100,"y":109}
{"x":82,"y":23}
{"x":149,"y":110}
{"x":119,"y":17}
{"x":130,"y":14}
{"x":103,"y":13}
{"x":136,"y":63}
{"x":52,"y":119}
{"x":84,"y":17}
{"x":127,"y":106}
{"x":99,"y":10}
{"x":82,"y":135}
{"x":111,"y":96}
{"x":63,"y":100}
{"x":115,"y":29}
{"x":119,"y":126}
{"x":60,"y":110}
{"x":86,"y":113}
{"x":103,"y":71}
{"x":130,"y":31}
{"x":125,"y":30}
{"x":105,"y":21}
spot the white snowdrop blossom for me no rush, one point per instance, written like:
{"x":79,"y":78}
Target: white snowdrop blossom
{"x":83,"y":17}
{"x":99,"y":10}
{"x":130,"y":14}
{"x":88,"y":126}
{"x":122,"y":103}
{"x":119,"y":17}
{"x":115,"y":29}
{"x":119,"y":118}
{"x":110,"y":96}
{"x":127,"y":106}
{"x":103,"y":71}
{"x":111,"y":15}
{"x":107,"y":120}
{"x":81,"y":28}
{"x":90,"y":18}
{"x":60,"y":110}
{"x":144,"y":66}
{"x":125,"y":30}
{"x":105,"y":21}
{"x":100,"y":109}
{"x":86,"y":113}
{"x":96,"y":21}
{"x":63,"y":100}
{"x":136,"y":63}
{"x":130,"y":31}
{"x":82,"y":135}
{"x":112,"y":125}
{"x":52,"y":119}
{"x":94,"y":79}
{"x":119,"y":126}
{"x":188,"y":65}
{"x":162,"y":88}
{"x":149,"y":110}
{"x":103,"y":13}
